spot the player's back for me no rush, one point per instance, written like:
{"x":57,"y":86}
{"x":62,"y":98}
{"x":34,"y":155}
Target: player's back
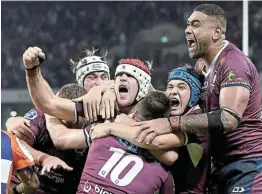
{"x":13,"y":157}
{"x":115,"y":166}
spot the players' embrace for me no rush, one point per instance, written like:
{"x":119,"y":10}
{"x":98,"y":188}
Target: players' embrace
{"x":122,"y":136}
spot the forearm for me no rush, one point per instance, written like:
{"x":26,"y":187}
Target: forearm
{"x":73,"y":139}
{"x":169,"y":141}
{"x":160,"y":142}
{"x":190,"y":123}
{"x":128,"y":133}
{"x":38,"y":156}
{"x":39,"y":90}
{"x":45,"y":100}
{"x":168,"y":156}
{"x":64,"y":138}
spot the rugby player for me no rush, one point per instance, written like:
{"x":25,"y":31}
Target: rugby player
{"x":132,"y":83}
{"x":90,"y":71}
{"x":122,"y":167}
{"x":231,"y":97}
{"x":183,"y":89}
{"x":57,"y":181}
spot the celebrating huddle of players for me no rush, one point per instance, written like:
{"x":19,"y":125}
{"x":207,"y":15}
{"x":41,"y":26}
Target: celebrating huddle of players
{"x":122,"y":136}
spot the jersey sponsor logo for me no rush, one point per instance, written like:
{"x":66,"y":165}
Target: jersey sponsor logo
{"x":98,"y":189}
{"x":222,"y":61}
{"x":205,"y":85}
{"x":56,"y":177}
{"x":87,"y":187}
{"x":230,"y":75}
{"x":81,"y":152}
{"x":236,"y":83}
{"x":32,"y":114}
{"x":238,"y":190}
{"x":97,"y":66}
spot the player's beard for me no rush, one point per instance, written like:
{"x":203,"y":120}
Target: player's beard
{"x":200,"y":51}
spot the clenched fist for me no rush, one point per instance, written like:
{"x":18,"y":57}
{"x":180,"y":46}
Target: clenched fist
{"x":31,"y":57}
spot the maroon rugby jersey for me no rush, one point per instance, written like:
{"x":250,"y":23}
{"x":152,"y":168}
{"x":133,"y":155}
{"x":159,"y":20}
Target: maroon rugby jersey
{"x":56,"y":181}
{"x":233,"y":68}
{"x":116,"y":166}
{"x":187,"y":177}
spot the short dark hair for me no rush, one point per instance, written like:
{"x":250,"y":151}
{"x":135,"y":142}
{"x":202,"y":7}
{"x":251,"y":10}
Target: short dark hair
{"x":215,"y":11}
{"x":154,"y":105}
{"x":71,"y":91}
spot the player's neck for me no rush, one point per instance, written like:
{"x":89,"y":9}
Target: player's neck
{"x":128,"y":110}
{"x":212,"y":52}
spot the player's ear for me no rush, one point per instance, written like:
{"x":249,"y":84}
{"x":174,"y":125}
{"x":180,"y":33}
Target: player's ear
{"x":217,"y":33}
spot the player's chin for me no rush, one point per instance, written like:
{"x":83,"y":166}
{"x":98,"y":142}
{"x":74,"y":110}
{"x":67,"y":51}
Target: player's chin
{"x":123,"y":102}
{"x":176,"y":112}
{"x":192,"y":55}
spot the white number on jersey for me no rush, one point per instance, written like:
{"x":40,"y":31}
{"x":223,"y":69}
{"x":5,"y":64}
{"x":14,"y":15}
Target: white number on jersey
{"x":123,"y":163}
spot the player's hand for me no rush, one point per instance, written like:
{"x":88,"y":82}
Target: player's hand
{"x":91,"y":103}
{"x":148,"y":130}
{"x":20,"y":127}
{"x":100,"y":131}
{"x":52,"y":162}
{"x":107,"y":109}
{"x":30,"y":57}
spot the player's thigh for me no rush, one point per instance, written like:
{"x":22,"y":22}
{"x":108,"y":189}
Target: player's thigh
{"x":244,"y":176}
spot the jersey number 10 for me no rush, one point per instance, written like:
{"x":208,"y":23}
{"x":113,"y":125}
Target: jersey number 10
{"x":123,"y":163}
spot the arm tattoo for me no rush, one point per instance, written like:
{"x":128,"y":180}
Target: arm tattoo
{"x":224,"y":120}
{"x":194,"y":123}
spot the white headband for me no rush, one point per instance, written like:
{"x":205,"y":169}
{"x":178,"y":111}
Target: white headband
{"x":143,"y":78}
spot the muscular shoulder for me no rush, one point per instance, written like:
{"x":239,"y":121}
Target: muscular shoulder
{"x":34,"y":113}
{"x":235,"y":69}
{"x":37,"y":121}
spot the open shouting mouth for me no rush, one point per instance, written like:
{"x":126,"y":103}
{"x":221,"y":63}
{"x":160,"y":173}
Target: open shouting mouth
{"x":123,"y":91}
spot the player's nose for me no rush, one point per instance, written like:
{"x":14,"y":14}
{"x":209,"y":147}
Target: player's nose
{"x":123,"y":77}
{"x":174,"y":91}
{"x":99,"y":81}
{"x":188,"y":30}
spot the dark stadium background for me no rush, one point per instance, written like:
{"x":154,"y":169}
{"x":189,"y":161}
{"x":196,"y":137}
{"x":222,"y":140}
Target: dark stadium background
{"x":147,"y":30}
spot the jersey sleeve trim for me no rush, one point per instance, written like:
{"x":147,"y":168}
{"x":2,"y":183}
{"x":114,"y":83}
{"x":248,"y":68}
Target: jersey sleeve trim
{"x":87,"y":136}
{"x":236,"y":83}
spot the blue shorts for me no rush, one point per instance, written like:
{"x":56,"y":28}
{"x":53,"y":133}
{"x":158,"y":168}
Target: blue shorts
{"x":241,"y":177}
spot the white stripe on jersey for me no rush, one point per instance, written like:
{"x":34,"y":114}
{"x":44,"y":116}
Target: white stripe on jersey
{"x":5,"y":170}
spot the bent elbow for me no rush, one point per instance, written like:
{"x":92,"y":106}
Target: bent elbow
{"x":46,"y":106}
{"x":59,"y":143}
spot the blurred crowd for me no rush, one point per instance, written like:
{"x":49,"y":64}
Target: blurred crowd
{"x":64,"y":29}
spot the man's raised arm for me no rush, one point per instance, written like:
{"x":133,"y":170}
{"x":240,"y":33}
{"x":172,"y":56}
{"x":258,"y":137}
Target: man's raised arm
{"x":40,"y":91}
